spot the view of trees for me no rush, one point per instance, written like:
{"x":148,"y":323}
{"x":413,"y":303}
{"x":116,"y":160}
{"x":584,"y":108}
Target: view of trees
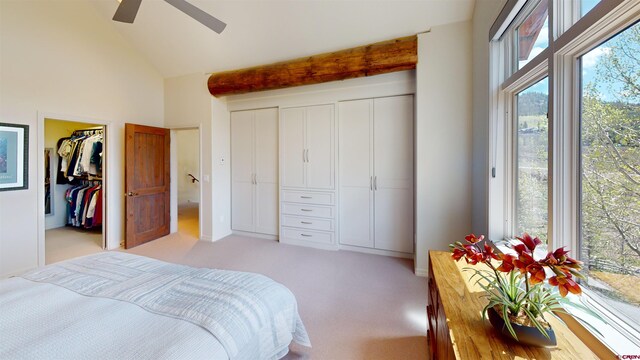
{"x":610,"y":165}
{"x":611,"y":170}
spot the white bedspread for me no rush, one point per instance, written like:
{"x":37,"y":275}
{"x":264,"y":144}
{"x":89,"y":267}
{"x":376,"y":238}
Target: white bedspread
{"x":122,"y":306}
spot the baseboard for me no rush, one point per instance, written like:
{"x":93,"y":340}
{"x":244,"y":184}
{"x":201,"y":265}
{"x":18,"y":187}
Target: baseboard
{"x":255,"y":235}
{"x":206,"y":238}
{"x":422,"y":272}
{"x":376,"y":251}
{"x":16,"y":272}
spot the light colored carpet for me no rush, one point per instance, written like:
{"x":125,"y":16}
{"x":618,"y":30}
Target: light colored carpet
{"x":355,"y":306}
{"x":67,"y":242}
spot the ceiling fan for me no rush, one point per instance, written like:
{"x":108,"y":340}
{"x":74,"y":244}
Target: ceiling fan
{"x":128,"y":9}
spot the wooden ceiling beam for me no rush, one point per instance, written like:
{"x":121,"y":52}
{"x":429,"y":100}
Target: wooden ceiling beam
{"x":374,"y":59}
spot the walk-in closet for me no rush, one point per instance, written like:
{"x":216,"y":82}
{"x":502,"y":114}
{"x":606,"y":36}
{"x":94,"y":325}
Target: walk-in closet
{"x":74,"y":190}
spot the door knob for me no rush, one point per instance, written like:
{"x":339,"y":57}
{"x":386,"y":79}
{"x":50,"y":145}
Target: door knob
{"x":131,"y":194}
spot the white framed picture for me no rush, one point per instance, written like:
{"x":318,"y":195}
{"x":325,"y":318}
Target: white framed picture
{"x":14,"y":156}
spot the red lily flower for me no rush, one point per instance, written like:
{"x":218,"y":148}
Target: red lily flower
{"x":488,"y":250}
{"x":507,"y":263}
{"x":565,"y":285}
{"x":523,"y":261}
{"x":537,"y":273}
{"x":457,"y":254}
{"x":529,"y":242}
{"x":473,"y":239}
{"x":520,"y":249}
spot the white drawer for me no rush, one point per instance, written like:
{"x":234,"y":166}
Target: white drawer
{"x":306,"y":197}
{"x":307,"y":223}
{"x":308,"y":210}
{"x":307,"y":235}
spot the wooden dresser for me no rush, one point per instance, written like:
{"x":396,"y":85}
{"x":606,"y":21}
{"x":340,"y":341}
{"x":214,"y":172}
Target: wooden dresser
{"x":456,"y":329}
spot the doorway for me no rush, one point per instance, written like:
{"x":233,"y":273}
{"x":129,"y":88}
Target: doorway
{"x":186,"y":143}
{"x":74,"y":206}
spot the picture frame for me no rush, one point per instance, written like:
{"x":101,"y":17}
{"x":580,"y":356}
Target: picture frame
{"x":14,"y":157}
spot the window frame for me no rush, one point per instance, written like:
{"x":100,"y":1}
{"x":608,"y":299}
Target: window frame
{"x":570,"y":37}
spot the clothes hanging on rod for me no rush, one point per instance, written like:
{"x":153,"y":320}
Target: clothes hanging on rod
{"x":84,"y":205}
{"x":80,"y":155}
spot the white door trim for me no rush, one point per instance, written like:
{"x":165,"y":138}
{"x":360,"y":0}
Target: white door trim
{"x":174,"y":178}
{"x":109,"y":241}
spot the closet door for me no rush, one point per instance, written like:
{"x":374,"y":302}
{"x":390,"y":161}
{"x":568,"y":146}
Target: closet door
{"x":266,"y":169}
{"x":356,"y":170}
{"x":292,"y":128}
{"x":320,"y":145}
{"x":242,"y":174}
{"x":393,"y":173}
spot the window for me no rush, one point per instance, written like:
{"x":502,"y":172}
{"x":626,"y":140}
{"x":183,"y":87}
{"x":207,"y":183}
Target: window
{"x":610,"y":171}
{"x":587,"y":5}
{"x":533,"y":34}
{"x":566,"y":168}
{"x":532,"y":160}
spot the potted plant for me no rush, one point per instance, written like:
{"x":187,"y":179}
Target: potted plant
{"x":521,"y":286}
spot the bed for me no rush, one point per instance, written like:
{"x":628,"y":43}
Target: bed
{"x":115,"y":305}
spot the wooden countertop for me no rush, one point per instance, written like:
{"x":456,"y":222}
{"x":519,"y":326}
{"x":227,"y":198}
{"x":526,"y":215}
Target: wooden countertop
{"x":474,"y":338}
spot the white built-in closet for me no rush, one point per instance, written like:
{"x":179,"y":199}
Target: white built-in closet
{"x":307,"y":176}
{"x":254,"y":171}
{"x":376,"y":173}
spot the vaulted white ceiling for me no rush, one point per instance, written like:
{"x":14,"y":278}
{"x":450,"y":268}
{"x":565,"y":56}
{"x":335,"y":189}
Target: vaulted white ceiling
{"x":266,"y":31}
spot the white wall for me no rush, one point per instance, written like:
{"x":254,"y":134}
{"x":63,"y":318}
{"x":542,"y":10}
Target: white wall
{"x":54,"y":130}
{"x":484,"y":14}
{"x":188,"y":158}
{"x":61,"y":57}
{"x":187,"y":103}
{"x":443,"y":139}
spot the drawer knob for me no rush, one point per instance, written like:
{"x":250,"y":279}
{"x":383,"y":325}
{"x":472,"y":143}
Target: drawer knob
{"x":306,"y":222}
{"x":306,"y":197}
{"x":306,"y":235}
{"x":306,"y":210}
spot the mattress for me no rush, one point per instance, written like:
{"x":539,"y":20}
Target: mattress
{"x":116,"y":305}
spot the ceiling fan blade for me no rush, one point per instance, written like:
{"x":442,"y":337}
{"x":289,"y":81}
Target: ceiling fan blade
{"x":127,"y":11}
{"x":199,"y":15}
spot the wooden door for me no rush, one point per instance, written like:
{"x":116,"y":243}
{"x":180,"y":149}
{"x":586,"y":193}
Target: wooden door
{"x":266,"y":169}
{"x":319,"y":140}
{"x":356,"y":171}
{"x":147,"y":184}
{"x":242,"y":171}
{"x":393,"y":173}
{"x":292,"y":128}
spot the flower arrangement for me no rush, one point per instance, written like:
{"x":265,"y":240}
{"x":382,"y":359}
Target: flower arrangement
{"x":520,"y":286}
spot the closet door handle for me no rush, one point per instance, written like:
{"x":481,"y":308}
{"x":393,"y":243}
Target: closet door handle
{"x":255,"y":179}
{"x":307,"y":155}
{"x":131,"y":194}
{"x":371,"y":183}
{"x":304,"y":155}
{"x":375,"y":183}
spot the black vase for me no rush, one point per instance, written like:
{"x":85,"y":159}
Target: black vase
{"x":527,"y":335}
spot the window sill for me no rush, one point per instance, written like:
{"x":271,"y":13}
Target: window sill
{"x":611,"y":339}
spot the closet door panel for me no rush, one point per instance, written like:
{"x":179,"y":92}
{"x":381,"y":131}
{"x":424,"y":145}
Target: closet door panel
{"x":356,"y":195}
{"x":242,"y":214}
{"x":266,"y":208}
{"x":292,"y":130}
{"x":266,"y":165}
{"x":266,"y":146}
{"x":393,"y":173}
{"x":242,"y":159}
{"x":394,"y":220}
{"x":320,"y":145}
{"x":356,"y":208}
